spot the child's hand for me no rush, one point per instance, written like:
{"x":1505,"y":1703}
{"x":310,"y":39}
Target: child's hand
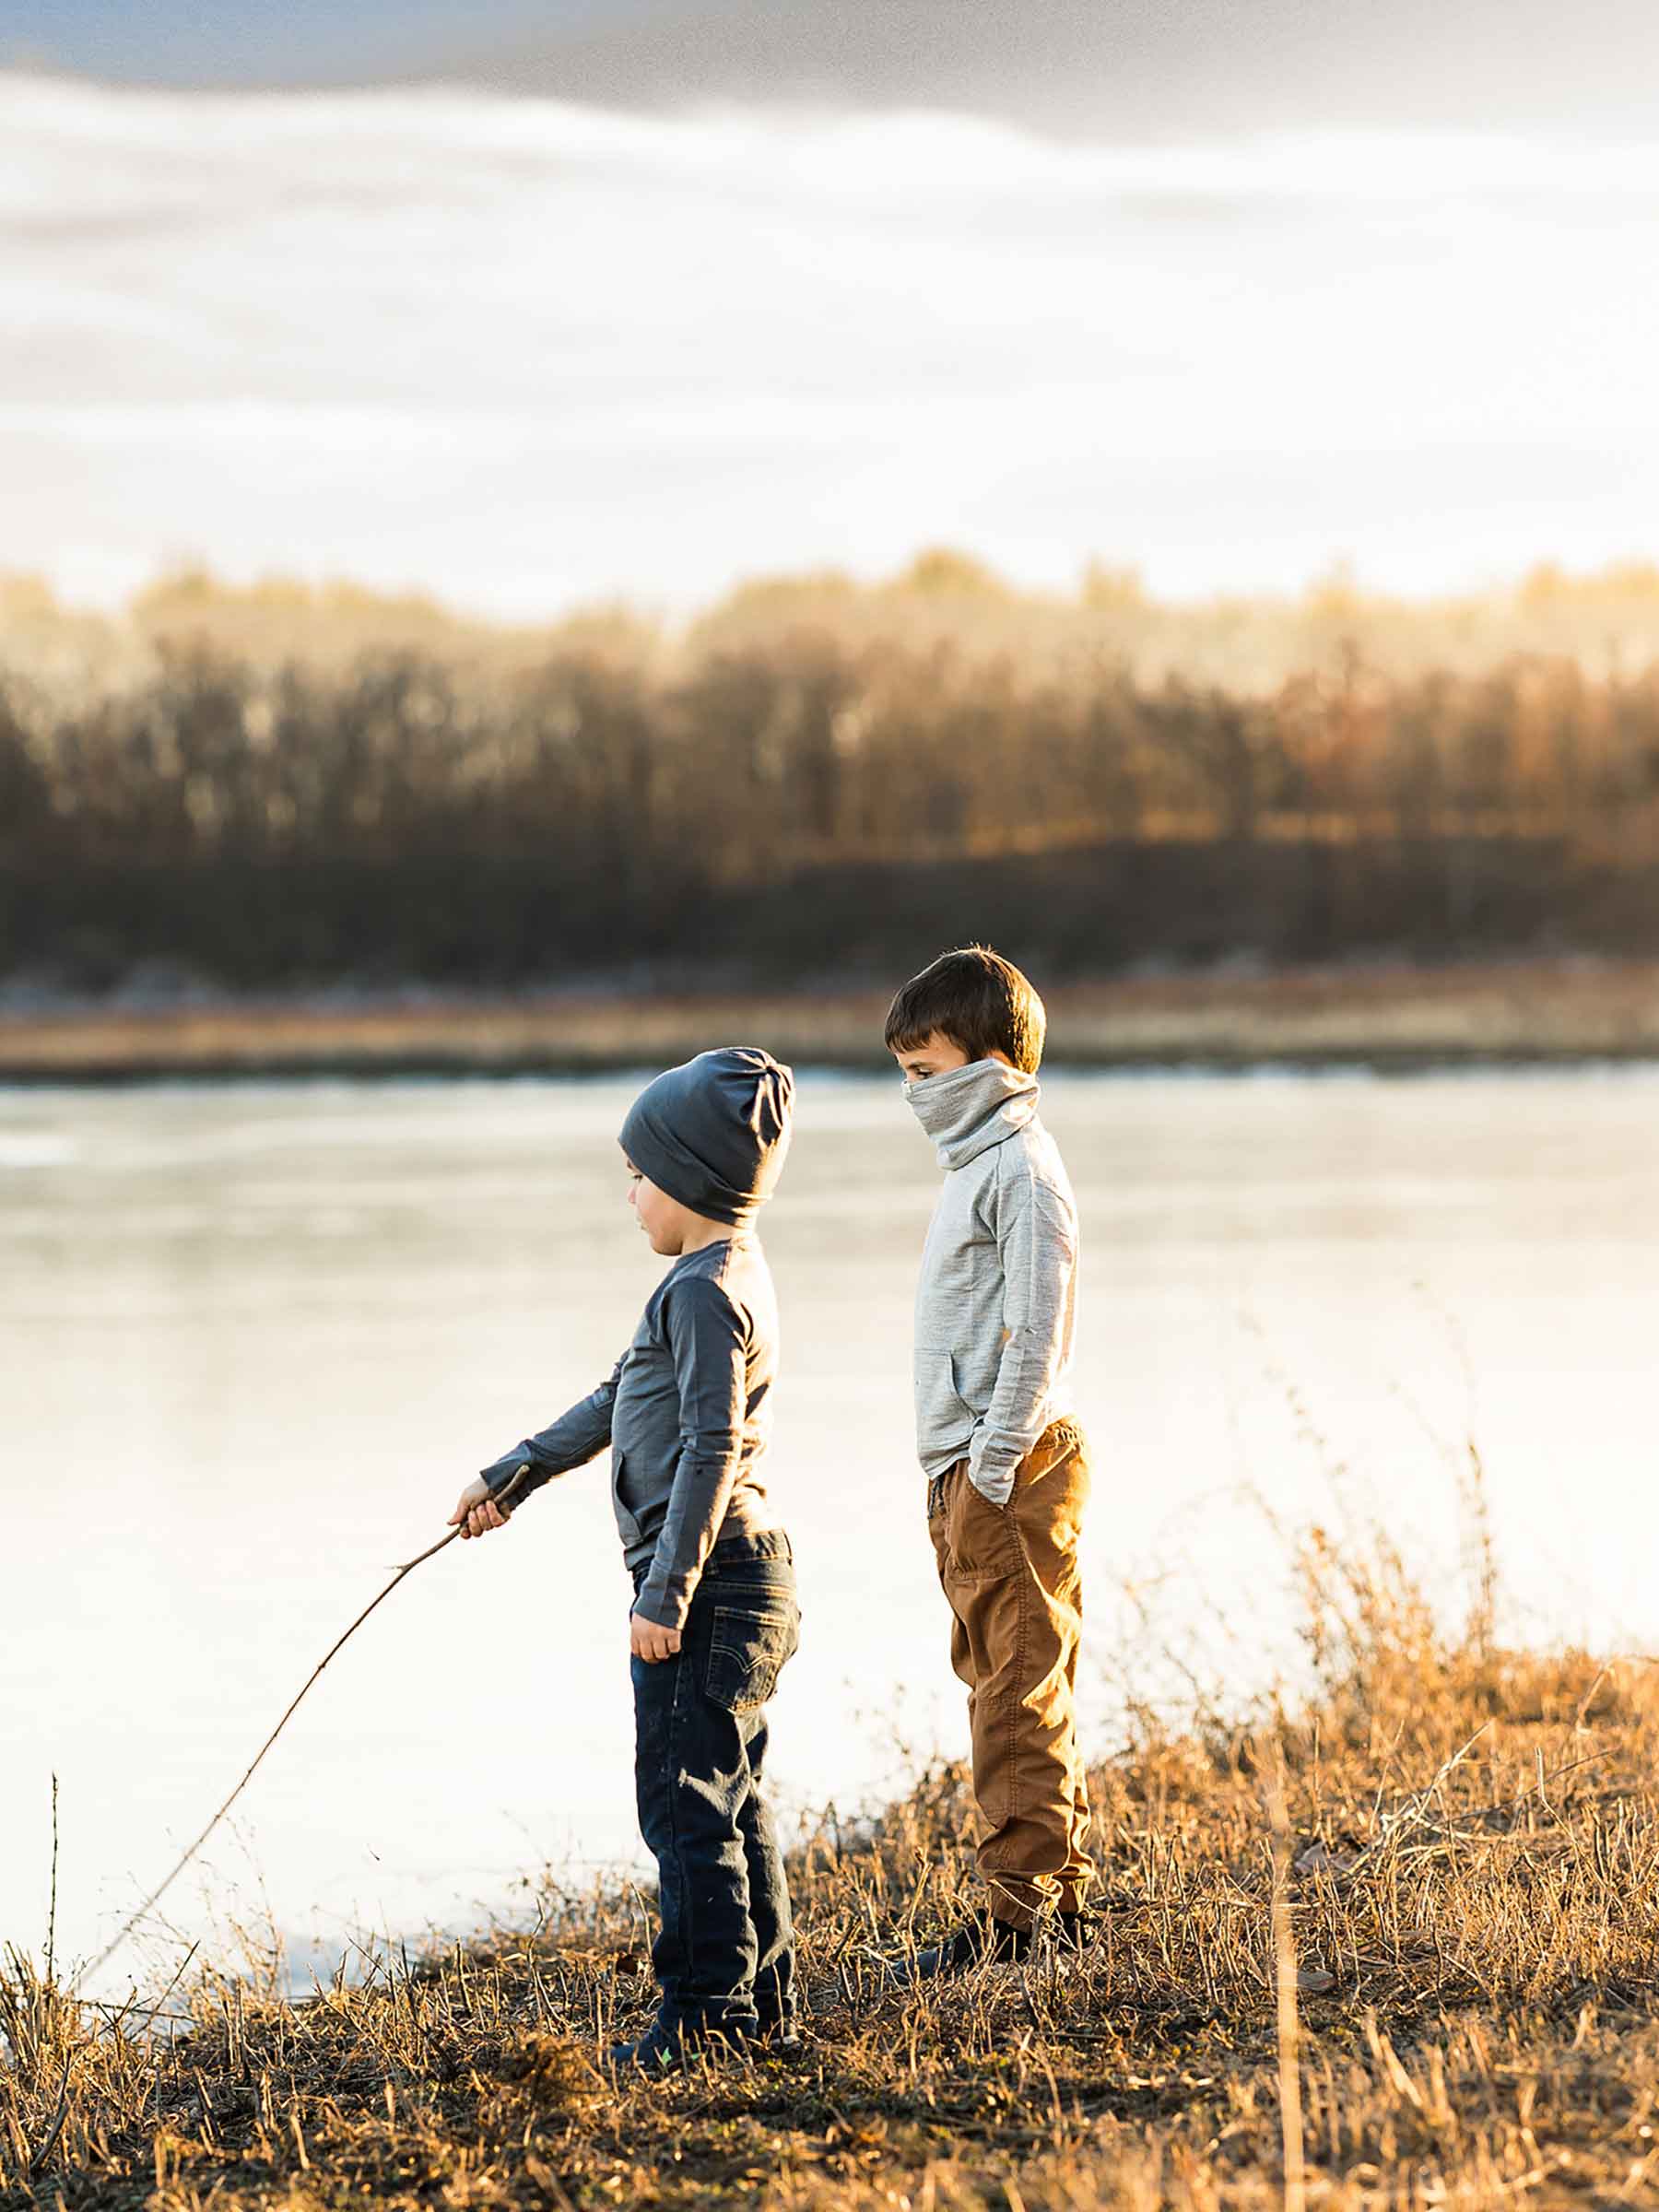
{"x":476,"y":1511}
{"x":648,"y":1640}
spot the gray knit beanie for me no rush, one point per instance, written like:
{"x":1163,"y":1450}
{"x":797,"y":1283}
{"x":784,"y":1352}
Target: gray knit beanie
{"x":715,"y":1132}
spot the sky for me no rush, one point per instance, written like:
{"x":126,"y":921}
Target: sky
{"x":1141,"y":68}
{"x":439,"y":328}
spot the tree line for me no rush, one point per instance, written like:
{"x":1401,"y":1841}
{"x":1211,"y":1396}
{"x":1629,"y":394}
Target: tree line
{"x":800,"y":800}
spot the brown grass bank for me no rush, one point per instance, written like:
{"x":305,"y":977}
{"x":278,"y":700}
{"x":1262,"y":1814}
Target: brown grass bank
{"x":1471,"y":1891}
{"x":1388,"y":1016}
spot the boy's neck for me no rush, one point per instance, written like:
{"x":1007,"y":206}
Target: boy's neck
{"x":711,"y":1232}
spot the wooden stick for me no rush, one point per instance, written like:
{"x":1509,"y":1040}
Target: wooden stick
{"x":156,"y":1895}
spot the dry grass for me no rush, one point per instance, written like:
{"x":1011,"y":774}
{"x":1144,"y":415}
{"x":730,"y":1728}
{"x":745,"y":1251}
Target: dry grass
{"x":1469,"y":1857}
{"x":1392,"y":1016}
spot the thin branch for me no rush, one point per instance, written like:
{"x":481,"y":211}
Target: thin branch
{"x":161,"y":1889}
{"x":1283,"y":1959}
{"x":52,"y":1912}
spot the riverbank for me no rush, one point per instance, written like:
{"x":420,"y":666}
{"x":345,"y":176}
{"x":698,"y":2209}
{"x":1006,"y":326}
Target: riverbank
{"x":1388,"y":1016}
{"x":1439,"y":1934}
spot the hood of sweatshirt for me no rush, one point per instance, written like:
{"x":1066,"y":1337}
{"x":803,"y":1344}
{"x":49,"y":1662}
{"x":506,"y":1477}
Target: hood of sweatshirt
{"x":969,"y":1109}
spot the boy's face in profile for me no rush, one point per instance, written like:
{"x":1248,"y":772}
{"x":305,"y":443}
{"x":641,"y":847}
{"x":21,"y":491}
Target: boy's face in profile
{"x":662,"y":1218}
{"x":670,"y":1229}
{"x":936,"y":1055}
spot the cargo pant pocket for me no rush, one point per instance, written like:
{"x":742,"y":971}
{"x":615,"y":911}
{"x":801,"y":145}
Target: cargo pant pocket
{"x":981,"y":1538}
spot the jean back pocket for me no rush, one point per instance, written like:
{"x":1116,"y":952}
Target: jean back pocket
{"x":748,"y":1648}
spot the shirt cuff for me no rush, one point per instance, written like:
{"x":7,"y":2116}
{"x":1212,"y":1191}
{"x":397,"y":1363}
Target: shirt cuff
{"x":995,"y":1483}
{"x":654,"y":1605}
{"x":500,"y":1472}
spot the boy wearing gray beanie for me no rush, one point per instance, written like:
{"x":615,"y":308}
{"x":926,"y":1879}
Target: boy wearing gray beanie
{"x":686,"y":1413}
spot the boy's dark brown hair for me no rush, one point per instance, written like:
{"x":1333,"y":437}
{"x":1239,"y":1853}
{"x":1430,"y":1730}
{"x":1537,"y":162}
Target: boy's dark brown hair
{"x":977,"y":999}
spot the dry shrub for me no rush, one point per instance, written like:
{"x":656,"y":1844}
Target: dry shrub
{"x":1471,"y":1896}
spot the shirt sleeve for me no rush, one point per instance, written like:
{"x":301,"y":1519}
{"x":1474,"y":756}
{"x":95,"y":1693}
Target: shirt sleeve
{"x":1036,"y":1233}
{"x":571,"y":1442}
{"x":708,"y":1336}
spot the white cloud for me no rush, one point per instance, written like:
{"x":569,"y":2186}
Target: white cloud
{"x":525,"y":353}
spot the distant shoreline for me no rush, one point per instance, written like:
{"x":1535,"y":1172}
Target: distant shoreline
{"x":1391,"y":1018}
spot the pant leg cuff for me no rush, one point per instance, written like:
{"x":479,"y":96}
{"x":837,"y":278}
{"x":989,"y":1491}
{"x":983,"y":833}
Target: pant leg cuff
{"x":1010,"y":1916}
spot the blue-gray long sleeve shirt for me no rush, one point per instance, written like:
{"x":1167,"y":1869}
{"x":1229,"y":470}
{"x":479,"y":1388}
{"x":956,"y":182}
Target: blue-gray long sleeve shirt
{"x":686,"y":1412}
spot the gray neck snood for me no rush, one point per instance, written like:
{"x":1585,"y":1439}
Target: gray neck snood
{"x":970,"y":1109}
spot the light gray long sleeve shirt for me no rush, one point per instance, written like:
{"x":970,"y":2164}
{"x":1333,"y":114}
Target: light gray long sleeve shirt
{"x":996,"y":1303}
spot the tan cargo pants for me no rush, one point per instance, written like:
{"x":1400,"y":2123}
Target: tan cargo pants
{"x":1015,"y":1593}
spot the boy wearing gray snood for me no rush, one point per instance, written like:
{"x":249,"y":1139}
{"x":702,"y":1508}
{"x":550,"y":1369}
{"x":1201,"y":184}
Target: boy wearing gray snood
{"x":686,"y":1413}
{"x":997,"y":1435}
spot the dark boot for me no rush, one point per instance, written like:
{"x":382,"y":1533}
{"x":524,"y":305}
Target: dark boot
{"x":1078,"y":1931}
{"x":777,"y":2031}
{"x":978,"y":1943}
{"x":661,"y":2051}
{"x":670,"y":2046}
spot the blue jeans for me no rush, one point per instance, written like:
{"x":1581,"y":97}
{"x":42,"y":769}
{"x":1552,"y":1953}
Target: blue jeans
{"x":726,"y":1956}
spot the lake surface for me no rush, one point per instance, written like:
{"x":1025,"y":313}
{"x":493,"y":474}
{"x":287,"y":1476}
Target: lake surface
{"x":254,"y":1339}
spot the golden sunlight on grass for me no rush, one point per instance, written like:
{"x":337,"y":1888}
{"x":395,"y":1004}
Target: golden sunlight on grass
{"x":1469,"y":1888}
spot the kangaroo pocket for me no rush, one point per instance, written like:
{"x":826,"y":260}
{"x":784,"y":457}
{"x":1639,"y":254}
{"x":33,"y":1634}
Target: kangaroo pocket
{"x":941,"y":1409}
